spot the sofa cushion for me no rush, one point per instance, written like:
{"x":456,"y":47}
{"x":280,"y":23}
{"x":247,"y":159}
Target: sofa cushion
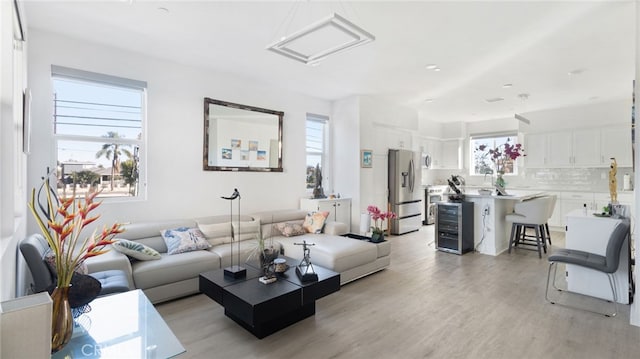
{"x":135,"y":250}
{"x":216,"y":233}
{"x":247,"y":249}
{"x":314,"y":221}
{"x":183,"y":239}
{"x":288,"y":229}
{"x":333,"y":252}
{"x":173,"y":268}
{"x":246,"y":230}
{"x":148,"y":233}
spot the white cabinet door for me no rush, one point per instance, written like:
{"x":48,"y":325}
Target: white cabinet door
{"x":536,"y":150}
{"x":616,"y":142}
{"x":342,"y":211}
{"x":586,"y":148}
{"x":451,"y":154}
{"x":559,"y":146}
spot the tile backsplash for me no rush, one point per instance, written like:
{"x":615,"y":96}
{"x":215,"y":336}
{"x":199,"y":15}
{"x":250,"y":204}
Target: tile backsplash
{"x":579,"y":179}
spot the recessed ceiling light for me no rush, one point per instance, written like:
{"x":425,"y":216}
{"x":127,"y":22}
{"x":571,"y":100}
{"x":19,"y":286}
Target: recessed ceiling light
{"x":436,"y":69}
{"x":429,"y":100}
{"x":507,"y":86}
{"x":593,"y":98}
{"x":575,"y":72}
{"x":163,"y":9}
{"x":431,"y":66}
{"x":494,"y":99}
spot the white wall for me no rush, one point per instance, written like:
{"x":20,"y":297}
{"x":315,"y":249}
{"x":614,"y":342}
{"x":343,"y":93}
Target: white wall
{"x":345,"y":127}
{"x":177,"y":185}
{"x":12,"y":160}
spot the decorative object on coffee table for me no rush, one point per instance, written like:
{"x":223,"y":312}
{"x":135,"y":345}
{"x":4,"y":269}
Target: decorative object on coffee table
{"x":305,"y":270}
{"x":235,"y":271}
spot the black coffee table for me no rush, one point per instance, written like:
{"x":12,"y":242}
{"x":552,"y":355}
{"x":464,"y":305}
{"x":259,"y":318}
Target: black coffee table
{"x":263,"y":309}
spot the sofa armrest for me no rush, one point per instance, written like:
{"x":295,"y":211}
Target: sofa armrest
{"x":110,"y":261}
{"x":336,"y":228}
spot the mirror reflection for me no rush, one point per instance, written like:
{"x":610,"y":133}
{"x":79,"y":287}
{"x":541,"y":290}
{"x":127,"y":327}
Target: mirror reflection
{"x":241,"y":138}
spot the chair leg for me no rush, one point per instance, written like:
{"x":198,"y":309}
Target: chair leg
{"x":544,"y":238}
{"x":512,"y":237}
{"x":546,"y":226}
{"x":538,"y":235}
{"x":612,"y":283}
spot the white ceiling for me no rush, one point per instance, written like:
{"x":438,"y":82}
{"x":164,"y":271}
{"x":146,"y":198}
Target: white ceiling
{"x":478,"y":45}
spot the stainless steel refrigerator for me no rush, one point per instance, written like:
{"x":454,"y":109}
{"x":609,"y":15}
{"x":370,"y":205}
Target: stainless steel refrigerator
{"x":405,"y":194}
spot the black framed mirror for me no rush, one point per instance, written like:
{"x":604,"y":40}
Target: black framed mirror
{"x":241,"y":138}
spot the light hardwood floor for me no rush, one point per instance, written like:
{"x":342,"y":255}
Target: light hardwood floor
{"x":427,"y":304}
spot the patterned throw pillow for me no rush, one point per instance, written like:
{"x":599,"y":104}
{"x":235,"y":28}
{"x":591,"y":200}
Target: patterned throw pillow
{"x":135,"y":250}
{"x":290,"y":229}
{"x":184,"y":239}
{"x":314,"y":222}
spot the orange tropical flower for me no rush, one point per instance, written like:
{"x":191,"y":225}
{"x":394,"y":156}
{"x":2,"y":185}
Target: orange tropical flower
{"x":62,"y":221}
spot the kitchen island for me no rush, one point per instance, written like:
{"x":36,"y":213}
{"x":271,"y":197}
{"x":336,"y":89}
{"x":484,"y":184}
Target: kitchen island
{"x":491,"y":230}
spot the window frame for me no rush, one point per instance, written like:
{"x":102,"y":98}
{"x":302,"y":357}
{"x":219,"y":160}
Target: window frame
{"x":138,"y":145}
{"x":324,"y":153}
{"x":494,"y":136}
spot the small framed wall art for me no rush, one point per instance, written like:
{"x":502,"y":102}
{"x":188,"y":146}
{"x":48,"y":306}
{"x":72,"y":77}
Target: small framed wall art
{"x":366,"y":158}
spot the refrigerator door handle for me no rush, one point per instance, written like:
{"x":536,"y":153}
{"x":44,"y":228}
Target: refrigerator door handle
{"x":412,"y":176}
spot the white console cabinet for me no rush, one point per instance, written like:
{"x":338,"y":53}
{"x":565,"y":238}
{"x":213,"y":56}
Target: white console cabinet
{"x":339,"y":208}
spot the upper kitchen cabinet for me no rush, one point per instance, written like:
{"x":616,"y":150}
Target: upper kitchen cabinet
{"x":536,"y":150}
{"x":585,"y":148}
{"x":451,"y":154}
{"x":432,"y":148}
{"x":616,"y":142}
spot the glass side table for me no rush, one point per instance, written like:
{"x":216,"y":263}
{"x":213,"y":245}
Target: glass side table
{"x":123,"y":325}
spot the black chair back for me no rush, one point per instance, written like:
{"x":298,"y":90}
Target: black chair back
{"x":33,"y":249}
{"x":616,"y":240}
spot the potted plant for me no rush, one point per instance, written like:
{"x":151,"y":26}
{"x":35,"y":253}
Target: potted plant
{"x":378,"y":218}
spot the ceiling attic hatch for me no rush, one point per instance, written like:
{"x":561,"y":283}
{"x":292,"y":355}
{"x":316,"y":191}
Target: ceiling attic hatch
{"x":317,"y":41}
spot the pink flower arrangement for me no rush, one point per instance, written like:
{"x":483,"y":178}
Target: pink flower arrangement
{"x":378,"y":217}
{"x":503,"y":154}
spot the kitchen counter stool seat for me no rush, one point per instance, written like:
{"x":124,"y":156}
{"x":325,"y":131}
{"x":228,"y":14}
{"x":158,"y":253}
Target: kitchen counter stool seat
{"x":533,"y":213}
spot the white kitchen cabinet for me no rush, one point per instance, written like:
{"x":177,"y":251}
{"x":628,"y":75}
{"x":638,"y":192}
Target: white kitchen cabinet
{"x":616,"y":142}
{"x":536,"y":150}
{"x":451,"y":154}
{"x":559,"y":149}
{"x":339,"y":208}
{"x":586,"y":147}
{"x":583,"y":148}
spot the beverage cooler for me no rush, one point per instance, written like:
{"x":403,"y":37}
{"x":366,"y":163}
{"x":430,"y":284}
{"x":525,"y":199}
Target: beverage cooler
{"x":454,"y":227}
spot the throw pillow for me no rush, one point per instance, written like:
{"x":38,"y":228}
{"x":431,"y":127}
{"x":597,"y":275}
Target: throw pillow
{"x":247,"y":230}
{"x":184,"y":239}
{"x":314,"y":222}
{"x":291,"y":229}
{"x":135,"y":250}
{"x":216,"y":233}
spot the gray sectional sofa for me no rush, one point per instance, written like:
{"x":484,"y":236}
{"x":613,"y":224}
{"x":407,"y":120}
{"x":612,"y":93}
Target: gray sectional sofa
{"x":176,"y":275}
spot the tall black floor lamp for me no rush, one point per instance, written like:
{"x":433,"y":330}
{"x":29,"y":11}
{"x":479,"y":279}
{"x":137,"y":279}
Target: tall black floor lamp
{"x":234,"y":271}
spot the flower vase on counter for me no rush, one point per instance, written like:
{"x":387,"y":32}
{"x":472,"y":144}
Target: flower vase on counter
{"x":500,"y":184}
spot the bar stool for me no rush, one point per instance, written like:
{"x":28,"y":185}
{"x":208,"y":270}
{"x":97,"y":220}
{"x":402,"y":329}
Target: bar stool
{"x":552,"y":206}
{"x":533,"y":213}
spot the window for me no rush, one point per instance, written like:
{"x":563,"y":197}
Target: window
{"x":482,"y":160}
{"x":317,"y":139}
{"x":98,"y":123}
